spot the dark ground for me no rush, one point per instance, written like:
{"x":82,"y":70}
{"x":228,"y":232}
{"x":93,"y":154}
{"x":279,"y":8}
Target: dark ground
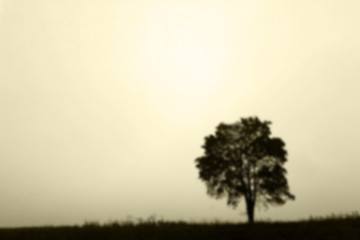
{"x":337,"y":228}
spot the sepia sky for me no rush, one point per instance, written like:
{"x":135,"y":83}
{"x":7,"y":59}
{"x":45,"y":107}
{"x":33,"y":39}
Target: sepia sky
{"x":104,"y":105}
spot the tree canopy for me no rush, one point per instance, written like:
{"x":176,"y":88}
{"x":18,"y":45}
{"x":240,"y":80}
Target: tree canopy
{"x":241,"y":160}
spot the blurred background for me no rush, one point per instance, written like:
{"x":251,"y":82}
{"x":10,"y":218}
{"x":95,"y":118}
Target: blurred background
{"x":104,"y":106}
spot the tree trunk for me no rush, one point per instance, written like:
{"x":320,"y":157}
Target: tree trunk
{"x":250,"y":206}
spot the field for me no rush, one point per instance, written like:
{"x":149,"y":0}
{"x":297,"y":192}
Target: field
{"x":327,"y":228}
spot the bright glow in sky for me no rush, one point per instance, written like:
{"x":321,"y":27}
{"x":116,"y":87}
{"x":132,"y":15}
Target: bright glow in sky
{"x":104,"y":105}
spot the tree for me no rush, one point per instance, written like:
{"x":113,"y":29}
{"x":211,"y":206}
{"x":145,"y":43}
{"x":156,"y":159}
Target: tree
{"x":241,"y":160}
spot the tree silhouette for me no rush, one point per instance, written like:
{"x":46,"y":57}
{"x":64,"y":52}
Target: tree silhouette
{"x":242,"y":161}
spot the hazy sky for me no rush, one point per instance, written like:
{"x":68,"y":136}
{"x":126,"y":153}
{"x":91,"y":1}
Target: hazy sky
{"x":104,"y":105}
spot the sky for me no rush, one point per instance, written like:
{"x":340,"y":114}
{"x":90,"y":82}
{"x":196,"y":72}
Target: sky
{"x":104,"y":105}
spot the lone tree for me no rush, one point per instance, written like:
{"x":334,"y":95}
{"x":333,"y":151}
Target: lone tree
{"x":241,"y":160}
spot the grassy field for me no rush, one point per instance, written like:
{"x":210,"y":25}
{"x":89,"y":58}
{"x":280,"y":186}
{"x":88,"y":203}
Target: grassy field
{"x":320,"y":228}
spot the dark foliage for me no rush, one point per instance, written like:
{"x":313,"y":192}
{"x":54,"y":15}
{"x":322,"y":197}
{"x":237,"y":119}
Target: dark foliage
{"x":329,"y":229}
{"x":241,"y":160}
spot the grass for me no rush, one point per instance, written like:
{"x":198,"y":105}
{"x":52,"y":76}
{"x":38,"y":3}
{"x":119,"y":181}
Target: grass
{"x":330,"y":227}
